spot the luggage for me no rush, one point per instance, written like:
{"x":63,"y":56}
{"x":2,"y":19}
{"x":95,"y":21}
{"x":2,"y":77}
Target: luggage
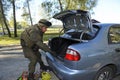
{"x":45,"y":75}
{"x":39,"y":75}
{"x":24,"y":76}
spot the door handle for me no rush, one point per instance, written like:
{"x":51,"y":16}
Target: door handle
{"x":117,"y":49}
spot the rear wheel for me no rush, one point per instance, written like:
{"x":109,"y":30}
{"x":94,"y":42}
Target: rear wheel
{"x":106,"y":73}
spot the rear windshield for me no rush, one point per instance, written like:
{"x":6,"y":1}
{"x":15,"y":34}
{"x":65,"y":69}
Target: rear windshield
{"x":77,"y":22}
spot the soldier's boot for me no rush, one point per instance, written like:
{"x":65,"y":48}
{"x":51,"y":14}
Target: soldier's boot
{"x":31,"y":76}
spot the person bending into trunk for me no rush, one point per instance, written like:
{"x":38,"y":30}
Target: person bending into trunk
{"x":31,"y":41}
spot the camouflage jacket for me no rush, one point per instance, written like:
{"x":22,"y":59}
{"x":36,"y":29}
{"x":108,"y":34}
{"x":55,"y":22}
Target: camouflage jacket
{"x":33,"y":35}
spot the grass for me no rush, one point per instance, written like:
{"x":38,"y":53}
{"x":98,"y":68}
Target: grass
{"x":6,"y":41}
{"x":9,"y":41}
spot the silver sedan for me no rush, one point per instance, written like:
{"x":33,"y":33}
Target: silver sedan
{"x":95,"y":57}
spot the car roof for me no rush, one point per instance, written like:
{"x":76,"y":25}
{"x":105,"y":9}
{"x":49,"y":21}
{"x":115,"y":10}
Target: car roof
{"x":106,"y":24}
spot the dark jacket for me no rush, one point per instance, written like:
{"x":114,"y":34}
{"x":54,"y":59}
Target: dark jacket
{"x":32,"y":37}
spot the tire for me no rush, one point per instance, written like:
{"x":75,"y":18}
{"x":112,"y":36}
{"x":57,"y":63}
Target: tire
{"x":106,"y":73}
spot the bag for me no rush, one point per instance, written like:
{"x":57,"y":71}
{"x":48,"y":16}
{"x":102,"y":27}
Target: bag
{"x":24,"y":76}
{"x":46,"y":75}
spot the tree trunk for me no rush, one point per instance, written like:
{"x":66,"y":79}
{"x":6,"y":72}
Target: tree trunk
{"x":14,"y":16}
{"x":4,"y":18}
{"x":3,"y":29}
{"x":29,"y":13}
{"x":2,"y":25}
{"x":61,"y":8}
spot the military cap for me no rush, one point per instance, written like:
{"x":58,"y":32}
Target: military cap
{"x":45,"y":22}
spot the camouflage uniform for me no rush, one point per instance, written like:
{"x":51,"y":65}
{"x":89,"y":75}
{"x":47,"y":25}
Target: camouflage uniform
{"x":31,"y":42}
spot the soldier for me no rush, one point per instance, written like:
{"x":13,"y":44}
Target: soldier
{"x":31,"y":42}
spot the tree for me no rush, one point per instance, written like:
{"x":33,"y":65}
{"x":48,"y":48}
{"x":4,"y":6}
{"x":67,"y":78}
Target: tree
{"x":29,"y":12}
{"x":47,"y":8}
{"x":14,"y":17}
{"x":12,"y":3}
{"x":61,"y":5}
{"x":14,"y":14}
{"x":4,"y":18}
{"x":25,"y":15}
{"x":1,"y":24}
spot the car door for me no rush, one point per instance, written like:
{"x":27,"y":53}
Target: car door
{"x":114,"y":43}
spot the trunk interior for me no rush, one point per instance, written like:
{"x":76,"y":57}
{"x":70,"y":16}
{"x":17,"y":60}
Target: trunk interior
{"x":60,"y":45}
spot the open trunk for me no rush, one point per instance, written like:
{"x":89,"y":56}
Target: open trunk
{"x":60,"y":45}
{"x":77,"y":20}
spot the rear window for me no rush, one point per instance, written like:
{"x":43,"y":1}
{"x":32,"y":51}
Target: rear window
{"x":78,"y":22}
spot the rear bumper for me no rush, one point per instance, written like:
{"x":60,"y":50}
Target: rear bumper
{"x":65,"y":73}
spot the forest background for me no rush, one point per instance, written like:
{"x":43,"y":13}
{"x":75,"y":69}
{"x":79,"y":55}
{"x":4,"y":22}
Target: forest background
{"x":16,"y":15}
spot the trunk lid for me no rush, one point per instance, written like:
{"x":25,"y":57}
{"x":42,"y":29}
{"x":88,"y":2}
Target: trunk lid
{"x":75,"y":19}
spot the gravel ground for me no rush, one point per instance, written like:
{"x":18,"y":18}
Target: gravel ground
{"x":13,"y":63}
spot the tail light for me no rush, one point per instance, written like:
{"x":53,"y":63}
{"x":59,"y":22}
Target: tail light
{"x":72,"y":55}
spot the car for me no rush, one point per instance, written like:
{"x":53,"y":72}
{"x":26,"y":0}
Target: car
{"x":86,"y":50}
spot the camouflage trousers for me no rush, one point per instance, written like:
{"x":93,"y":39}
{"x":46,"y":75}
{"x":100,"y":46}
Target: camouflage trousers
{"x":34,"y":57}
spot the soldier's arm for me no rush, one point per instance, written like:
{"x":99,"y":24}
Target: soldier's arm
{"x":35,"y":37}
